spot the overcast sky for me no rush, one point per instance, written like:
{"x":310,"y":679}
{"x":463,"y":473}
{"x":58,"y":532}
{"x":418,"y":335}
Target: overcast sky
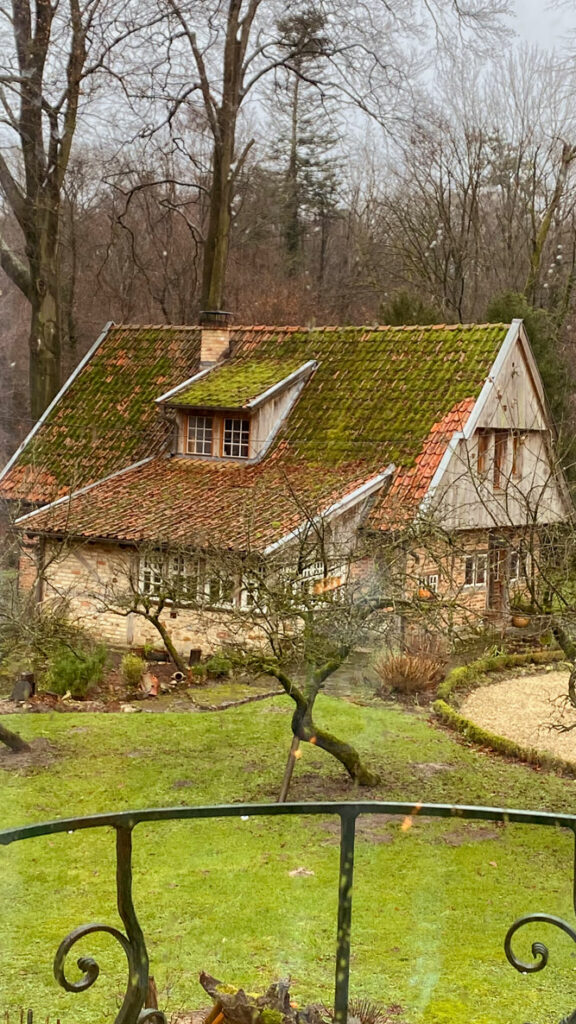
{"x":540,"y":22}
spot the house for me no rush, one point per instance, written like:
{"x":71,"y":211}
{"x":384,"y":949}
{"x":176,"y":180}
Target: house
{"x":172,"y":451}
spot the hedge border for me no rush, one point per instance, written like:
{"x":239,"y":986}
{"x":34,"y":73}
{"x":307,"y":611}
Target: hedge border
{"x":466,"y":676}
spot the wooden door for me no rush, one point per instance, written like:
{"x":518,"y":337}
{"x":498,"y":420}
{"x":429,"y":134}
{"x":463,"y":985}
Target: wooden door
{"x":497,"y":563}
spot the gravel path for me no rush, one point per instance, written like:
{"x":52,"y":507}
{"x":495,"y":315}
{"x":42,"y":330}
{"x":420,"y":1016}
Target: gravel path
{"x":525,"y":709}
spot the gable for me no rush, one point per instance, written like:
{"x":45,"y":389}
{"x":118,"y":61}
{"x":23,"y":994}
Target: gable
{"x":515,"y":399}
{"x":510,"y":424}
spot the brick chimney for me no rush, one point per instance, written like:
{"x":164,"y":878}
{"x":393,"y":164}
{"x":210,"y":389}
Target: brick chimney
{"x":215,"y":343}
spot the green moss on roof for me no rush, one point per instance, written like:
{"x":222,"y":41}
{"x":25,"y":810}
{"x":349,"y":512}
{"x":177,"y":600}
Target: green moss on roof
{"x":232,"y":385}
{"x":107,"y":418}
{"x":373,"y":399}
{"x":376,"y":393}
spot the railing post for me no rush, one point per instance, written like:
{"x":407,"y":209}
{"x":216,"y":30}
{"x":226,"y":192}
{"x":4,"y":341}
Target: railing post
{"x":347,"y":837}
{"x":137,"y":955}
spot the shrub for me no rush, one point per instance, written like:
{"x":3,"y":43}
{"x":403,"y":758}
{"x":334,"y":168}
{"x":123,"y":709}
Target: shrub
{"x":198,"y":672}
{"x":74,"y":671}
{"x":219,"y":665}
{"x":132,"y":668}
{"x":409,"y":673}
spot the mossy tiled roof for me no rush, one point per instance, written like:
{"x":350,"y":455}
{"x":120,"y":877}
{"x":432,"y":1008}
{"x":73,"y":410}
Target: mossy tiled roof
{"x":376,"y":393}
{"x":183,"y":502}
{"x":232,"y":385}
{"x":107,"y":417}
{"x":377,"y":396}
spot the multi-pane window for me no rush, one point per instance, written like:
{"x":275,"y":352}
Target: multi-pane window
{"x":151,"y":575}
{"x":219,"y":590}
{"x":200,"y":435}
{"x":236,"y":438}
{"x":514,"y":566}
{"x":429,"y":583}
{"x":475,"y":568}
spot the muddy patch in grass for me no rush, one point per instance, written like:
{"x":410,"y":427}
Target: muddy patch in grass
{"x":374,"y":828}
{"x":430,"y":768}
{"x":463,"y":836}
{"x":41,"y":754}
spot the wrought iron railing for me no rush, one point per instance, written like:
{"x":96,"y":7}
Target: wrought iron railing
{"x":132,"y":939}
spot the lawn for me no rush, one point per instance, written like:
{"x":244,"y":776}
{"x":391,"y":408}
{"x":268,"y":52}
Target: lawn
{"x":431,"y":904}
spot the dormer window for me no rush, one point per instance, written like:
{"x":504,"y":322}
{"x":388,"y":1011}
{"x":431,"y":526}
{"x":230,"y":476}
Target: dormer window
{"x":200,"y":435}
{"x":222,"y":436}
{"x":236,"y":438}
{"x":233,"y":409}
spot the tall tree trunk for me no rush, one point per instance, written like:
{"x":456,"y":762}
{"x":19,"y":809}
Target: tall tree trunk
{"x":540,"y":234}
{"x":292,"y":238}
{"x":44,"y":341}
{"x":218,"y":232}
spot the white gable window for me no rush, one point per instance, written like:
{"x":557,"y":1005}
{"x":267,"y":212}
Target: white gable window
{"x":475,"y":567}
{"x":200,"y":435}
{"x":236,"y":438}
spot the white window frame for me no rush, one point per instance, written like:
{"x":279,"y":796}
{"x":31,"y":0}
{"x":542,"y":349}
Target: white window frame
{"x":236,"y":436}
{"x":429,"y":582}
{"x":162,"y":571}
{"x":478,"y":559}
{"x":200,"y":434}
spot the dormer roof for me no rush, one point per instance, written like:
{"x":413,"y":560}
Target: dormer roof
{"x":239,"y":384}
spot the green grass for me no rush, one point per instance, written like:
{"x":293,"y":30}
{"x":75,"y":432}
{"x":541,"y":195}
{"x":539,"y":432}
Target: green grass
{"x":431,"y":904}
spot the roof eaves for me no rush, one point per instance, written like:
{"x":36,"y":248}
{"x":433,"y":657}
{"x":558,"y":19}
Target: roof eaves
{"x":365,"y":490}
{"x":82,"y":490}
{"x":75,"y":373}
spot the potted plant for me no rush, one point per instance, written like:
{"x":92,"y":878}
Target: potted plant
{"x":521,"y":611}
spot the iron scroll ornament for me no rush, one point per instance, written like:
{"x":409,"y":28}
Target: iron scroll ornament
{"x":539,"y":949}
{"x":135,"y":993}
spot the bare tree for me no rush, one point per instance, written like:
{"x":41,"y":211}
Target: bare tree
{"x":235,"y":45}
{"x":51,"y":53}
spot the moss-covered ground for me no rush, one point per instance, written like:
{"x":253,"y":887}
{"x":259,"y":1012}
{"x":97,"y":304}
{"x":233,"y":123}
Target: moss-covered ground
{"x":431,"y":904}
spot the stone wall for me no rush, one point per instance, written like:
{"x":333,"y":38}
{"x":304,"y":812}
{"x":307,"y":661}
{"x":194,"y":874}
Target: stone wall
{"x":93,"y":578}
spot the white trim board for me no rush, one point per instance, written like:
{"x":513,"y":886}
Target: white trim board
{"x":365,"y":490}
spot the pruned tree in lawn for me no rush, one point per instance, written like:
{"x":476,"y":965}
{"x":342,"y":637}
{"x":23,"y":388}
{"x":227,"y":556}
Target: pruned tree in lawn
{"x":302,"y":610}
